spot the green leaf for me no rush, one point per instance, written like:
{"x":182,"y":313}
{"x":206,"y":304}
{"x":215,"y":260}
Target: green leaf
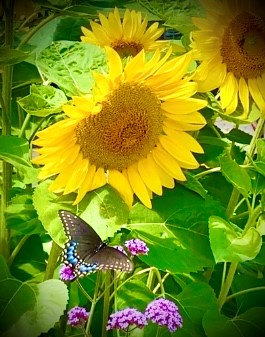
{"x":195,"y":299}
{"x":11,"y":56}
{"x":131,"y":290}
{"x":70,"y":65}
{"x":194,"y":185}
{"x":43,"y":100}
{"x":16,"y":297}
{"x":51,"y":300}
{"x":229,"y":244}
{"x":105,"y":211}
{"x":174,"y":231}
{"x":31,"y":260}
{"x":47,"y":205}
{"x":21,"y":215}
{"x":15,"y":151}
{"x":250,"y":323}
{"x":236,"y":175}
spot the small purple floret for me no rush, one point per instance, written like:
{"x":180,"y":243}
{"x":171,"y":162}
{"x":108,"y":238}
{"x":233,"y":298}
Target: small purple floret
{"x":66,"y":273}
{"x":77,"y":316}
{"x":136,"y":247}
{"x":127,"y":317}
{"x":164,"y":313}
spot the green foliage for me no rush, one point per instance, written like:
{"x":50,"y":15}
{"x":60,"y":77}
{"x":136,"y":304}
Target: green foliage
{"x":196,"y":232}
{"x":43,"y":100}
{"x":70,"y":65}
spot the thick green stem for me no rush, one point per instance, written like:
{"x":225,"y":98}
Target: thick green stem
{"x":227,"y":284}
{"x":8,"y":7}
{"x":93,"y":304}
{"x":52,"y":261}
{"x":106,"y":304}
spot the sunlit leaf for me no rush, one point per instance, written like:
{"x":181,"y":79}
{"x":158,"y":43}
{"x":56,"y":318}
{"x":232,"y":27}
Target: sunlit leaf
{"x":51,"y":300}
{"x":230,"y":244}
{"x":236,"y":175}
{"x":175,"y":230}
{"x":43,"y":100}
{"x":70,"y":65}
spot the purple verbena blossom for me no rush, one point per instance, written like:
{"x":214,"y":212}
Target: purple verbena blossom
{"x":165,"y":313}
{"x":124,"y":318}
{"x":77,"y":316}
{"x":136,"y":247}
{"x":66,"y":273}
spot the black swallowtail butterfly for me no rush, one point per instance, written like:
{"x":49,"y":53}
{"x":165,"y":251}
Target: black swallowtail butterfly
{"x":85,"y":252}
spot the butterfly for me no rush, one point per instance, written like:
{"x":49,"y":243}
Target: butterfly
{"x":85,"y":252}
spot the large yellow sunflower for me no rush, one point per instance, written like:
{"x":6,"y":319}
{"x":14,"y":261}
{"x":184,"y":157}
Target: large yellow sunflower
{"x":127,"y":37}
{"x":231,"y":47}
{"x":130,"y":134}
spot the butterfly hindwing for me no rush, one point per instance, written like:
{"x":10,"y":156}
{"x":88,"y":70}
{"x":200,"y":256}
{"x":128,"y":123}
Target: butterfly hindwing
{"x":85,"y":252}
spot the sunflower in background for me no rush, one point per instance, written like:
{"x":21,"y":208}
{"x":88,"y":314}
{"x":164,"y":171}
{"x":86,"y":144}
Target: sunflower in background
{"x":231,"y":48}
{"x":128,"y":36}
{"x":131,"y":133}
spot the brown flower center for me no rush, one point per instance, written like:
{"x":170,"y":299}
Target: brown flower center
{"x":125,"y":130}
{"x":243,"y":47}
{"x":126,"y":48}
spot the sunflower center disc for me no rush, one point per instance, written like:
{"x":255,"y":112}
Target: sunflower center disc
{"x":125,"y":49}
{"x":124,"y":131}
{"x":243,"y":47}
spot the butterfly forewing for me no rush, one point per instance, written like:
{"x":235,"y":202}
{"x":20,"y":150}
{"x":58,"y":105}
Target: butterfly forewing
{"x":79,"y":231}
{"x":85,"y":252}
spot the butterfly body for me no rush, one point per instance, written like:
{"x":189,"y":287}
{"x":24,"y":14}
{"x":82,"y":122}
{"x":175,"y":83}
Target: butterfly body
{"x":85,"y":252}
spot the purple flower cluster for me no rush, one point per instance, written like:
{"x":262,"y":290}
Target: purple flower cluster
{"x":136,"y":247}
{"x":165,"y":313}
{"x":77,"y":316}
{"x":160,"y":311}
{"x":66,"y":273}
{"x":124,"y":318}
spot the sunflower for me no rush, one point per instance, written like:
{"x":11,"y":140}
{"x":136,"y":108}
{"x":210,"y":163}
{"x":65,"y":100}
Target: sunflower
{"x":231,"y":47}
{"x":131,"y":132}
{"x":127,"y":37}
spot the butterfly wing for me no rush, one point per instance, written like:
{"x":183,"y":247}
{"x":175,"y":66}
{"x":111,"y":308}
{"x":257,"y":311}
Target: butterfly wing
{"x":85,"y":252}
{"x":78,"y":231}
{"x":111,"y":258}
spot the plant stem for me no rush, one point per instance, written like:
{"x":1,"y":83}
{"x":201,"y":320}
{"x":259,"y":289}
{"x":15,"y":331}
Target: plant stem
{"x":17,"y":249}
{"x":106,"y":304}
{"x":93,"y":304}
{"x":243,"y":292}
{"x":226,"y":285}
{"x":7,"y":74}
{"x":52,"y":261}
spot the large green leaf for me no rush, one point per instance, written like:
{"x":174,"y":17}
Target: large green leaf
{"x":70,"y":65}
{"x":230,"y":244}
{"x":176,"y":230}
{"x":248,"y":324}
{"x":21,"y":215}
{"x":16,"y":298}
{"x":51,"y":300}
{"x":103,"y":209}
{"x":195,"y":299}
